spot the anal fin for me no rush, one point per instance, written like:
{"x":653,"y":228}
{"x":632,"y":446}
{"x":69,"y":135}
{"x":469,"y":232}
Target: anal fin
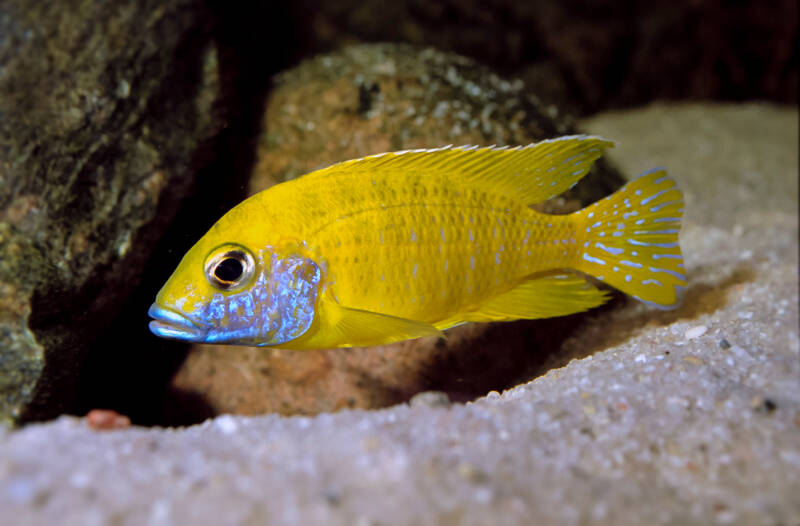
{"x":540,"y":297}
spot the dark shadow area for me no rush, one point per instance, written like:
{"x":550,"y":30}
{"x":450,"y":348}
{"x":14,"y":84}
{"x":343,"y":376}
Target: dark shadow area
{"x":184,"y":408}
{"x":129,"y":369}
{"x":505,"y":355}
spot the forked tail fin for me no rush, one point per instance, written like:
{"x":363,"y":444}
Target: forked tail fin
{"x":631,"y":240}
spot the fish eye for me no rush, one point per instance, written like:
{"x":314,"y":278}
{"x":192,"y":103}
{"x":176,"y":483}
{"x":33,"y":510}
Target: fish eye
{"x":229,"y":267}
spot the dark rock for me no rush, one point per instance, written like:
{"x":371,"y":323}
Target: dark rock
{"x":369,"y":99}
{"x":103,"y":107}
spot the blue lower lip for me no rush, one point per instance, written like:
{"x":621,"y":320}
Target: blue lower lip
{"x":168,"y":323}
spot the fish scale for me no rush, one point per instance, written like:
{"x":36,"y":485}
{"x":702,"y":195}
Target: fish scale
{"x":406,"y":244}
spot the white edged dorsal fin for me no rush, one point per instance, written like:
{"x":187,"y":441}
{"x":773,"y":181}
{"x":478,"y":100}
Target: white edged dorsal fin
{"x":532,"y":173}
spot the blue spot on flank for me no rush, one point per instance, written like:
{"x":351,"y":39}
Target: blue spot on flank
{"x":652,"y":281}
{"x":611,"y":250}
{"x":666,"y":219}
{"x":641,"y":221}
{"x":662,"y":205}
{"x":671,"y":272}
{"x":587,"y":257}
{"x":413,"y":236}
{"x":661,"y":245}
{"x":671,"y":231}
{"x":628,"y":278}
{"x":631,"y":263}
{"x":667,"y":256}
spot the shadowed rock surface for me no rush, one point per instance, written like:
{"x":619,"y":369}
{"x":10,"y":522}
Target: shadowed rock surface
{"x":688,"y":417}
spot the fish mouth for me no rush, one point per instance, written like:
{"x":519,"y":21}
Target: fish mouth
{"x":168,"y":323}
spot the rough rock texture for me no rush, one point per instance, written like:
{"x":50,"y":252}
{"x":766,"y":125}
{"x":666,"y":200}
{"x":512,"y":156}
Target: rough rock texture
{"x":590,"y":56}
{"x":371,"y":99}
{"x":103,"y":106}
{"x":687,"y":417}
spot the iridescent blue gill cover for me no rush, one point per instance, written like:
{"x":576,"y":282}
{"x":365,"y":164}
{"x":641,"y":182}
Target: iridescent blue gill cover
{"x":276,"y":308}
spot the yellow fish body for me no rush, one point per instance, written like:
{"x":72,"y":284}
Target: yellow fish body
{"x":406,"y":244}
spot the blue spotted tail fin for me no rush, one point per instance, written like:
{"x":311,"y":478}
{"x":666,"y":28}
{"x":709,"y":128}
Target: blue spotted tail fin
{"x":631,"y":240}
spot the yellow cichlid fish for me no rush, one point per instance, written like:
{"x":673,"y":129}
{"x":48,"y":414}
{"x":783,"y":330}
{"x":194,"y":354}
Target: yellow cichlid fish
{"x":405,"y":244}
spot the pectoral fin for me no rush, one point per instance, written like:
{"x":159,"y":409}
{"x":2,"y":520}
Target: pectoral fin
{"x":341,"y":326}
{"x":543,"y":297}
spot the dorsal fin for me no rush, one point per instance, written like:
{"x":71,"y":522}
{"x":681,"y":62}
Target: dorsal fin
{"x":533,"y":173}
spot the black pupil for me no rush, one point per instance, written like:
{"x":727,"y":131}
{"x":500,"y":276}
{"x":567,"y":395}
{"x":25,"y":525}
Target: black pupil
{"x":229,"y":269}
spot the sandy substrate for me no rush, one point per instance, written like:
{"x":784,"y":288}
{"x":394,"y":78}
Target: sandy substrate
{"x":689,"y":416}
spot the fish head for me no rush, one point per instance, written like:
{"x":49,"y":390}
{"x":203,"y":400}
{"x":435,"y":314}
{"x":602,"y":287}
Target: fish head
{"x":232,"y":294}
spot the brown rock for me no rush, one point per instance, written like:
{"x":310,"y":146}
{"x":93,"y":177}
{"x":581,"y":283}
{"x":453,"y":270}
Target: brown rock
{"x":365,"y":100}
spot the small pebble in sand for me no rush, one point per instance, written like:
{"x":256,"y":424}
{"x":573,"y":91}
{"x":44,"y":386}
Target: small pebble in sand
{"x":106,"y":420}
{"x":227,"y":424}
{"x":724,"y":344}
{"x":763,"y":405}
{"x":430,"y":399}
{"x":471,"y":473}
{"x":694,"y":332}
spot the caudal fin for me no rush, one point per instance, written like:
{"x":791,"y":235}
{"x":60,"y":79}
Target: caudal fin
{"x":631,"y":240}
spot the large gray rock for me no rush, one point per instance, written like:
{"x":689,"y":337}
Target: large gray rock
{"x":687,"y":417}
{"x":102,"y":108}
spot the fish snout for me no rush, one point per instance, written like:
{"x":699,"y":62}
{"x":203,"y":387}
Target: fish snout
{"x":169,"y":323}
